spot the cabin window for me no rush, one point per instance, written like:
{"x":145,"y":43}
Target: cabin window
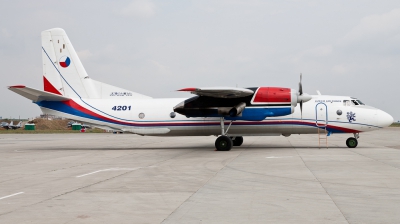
{"x":346,"y":102}
{"x":141,"y":115}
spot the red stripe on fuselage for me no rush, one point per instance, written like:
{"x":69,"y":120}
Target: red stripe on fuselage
{"x":78,"y":107}
{"x":272,"y":95}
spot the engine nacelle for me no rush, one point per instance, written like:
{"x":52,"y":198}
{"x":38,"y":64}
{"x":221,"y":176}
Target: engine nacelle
{"x":265,"y":102}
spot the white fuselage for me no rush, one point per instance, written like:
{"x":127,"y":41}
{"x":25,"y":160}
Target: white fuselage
{"x":153,"y":117}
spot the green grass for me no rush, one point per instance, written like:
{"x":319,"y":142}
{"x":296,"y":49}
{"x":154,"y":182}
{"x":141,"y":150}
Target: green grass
{"x":21,"y":131}
{"x":395,"y":125}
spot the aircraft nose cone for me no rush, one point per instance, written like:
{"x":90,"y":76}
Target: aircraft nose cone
{"x":385,"y":119}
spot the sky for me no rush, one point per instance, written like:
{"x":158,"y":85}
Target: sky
{"x":349,"y":48}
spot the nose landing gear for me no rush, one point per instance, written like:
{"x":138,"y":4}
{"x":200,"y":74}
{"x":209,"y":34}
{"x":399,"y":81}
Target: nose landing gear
{"x":353,"y":142}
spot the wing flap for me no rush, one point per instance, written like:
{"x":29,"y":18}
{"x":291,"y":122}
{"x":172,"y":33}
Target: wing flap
{"x":220,"y":92}
{"x":36,"y":95}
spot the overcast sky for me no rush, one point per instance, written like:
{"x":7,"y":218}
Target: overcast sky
{"x":155,"y":47}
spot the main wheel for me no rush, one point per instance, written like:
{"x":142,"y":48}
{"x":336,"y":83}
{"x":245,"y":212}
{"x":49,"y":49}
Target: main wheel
{"x":238,"y":141}
{"x":351,"y":142}
{"x":223,"y":143}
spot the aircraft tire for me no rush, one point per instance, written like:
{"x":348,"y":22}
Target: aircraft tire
{"x":223,"y":143}
{"x":238,"y":141}
{"x":351,"y":142}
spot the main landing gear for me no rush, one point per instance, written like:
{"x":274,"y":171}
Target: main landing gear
{"x":353,"y":142}
{"x":225,"y":143}
{"x":237,"y":141}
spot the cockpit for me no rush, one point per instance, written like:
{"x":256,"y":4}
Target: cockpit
{"x":352,"y":102}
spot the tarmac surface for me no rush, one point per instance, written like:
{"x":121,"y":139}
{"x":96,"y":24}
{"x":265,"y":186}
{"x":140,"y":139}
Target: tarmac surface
{"x":124,"y":178}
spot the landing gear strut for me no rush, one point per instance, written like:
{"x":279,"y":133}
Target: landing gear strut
{"x":223,"y":142}
{"x":353,"y":142}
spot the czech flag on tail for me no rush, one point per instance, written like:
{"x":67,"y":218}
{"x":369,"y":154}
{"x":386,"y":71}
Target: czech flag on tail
{"x":65,"y":61}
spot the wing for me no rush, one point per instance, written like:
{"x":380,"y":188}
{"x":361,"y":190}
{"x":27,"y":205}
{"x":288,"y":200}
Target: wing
{"x":219,"y":92}
{"x":36,"y":95}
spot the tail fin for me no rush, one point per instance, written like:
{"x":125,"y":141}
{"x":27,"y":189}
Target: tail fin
{"x":64,"y":74}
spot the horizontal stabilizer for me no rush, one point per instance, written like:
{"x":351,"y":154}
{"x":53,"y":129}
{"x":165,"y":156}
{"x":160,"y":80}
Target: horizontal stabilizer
{"x":220,"y":92}
{"x":36,"y":95}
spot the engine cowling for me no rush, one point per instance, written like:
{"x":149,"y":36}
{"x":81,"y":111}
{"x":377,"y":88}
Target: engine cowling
{"x":265,"y":102}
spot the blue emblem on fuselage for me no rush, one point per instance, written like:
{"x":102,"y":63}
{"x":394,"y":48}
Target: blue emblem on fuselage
{"x":351,"y":116}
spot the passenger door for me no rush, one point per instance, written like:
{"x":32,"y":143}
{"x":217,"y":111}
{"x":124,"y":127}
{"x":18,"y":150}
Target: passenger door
{"x":321,"y":115}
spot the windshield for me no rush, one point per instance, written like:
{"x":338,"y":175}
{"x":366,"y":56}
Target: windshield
{"x":357,"y":102}
{"x":361,"y":103}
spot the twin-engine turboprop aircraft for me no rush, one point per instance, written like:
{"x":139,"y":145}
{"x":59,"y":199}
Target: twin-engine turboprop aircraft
{"x":69,"y":92}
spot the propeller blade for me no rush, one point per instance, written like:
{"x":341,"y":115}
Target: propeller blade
{"x":301,"y":109}
{"x":300,"y":86}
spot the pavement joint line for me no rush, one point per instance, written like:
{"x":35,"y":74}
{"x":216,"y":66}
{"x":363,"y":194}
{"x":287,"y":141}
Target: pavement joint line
{"x":86,"y":186}
{"x":320,"y":183}
{"x":379,"y":161}
{"x":110,"y":169}
{"x":11,"y":195}
{"x":215,"y":174}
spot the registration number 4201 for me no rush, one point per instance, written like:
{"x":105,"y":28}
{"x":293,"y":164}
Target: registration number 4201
{"x":119,"y":108}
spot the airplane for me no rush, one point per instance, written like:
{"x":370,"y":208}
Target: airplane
{"x":14,"y":127}
{"x":4,"y":125}
{"x":11,"y":125}
{"x":225,"y":112}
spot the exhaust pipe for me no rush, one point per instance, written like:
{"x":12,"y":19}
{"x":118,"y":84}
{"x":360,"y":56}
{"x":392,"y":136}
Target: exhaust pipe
{"x":237,"y":110}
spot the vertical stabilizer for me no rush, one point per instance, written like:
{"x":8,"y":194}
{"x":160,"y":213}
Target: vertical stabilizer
{"x":51,"y":79}
{"x":64,"y":74}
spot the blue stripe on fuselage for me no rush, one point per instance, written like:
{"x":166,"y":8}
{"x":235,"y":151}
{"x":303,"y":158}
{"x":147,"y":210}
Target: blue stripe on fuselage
{"x":247,"y":114}
{"x":62,"y":107}
{"x":259,"y":114}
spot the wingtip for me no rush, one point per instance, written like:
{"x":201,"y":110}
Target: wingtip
{"x":191,"y":89}
{"x":17,"y":87}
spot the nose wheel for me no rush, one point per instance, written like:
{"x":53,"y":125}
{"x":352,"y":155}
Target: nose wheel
{"x":353,"y":142}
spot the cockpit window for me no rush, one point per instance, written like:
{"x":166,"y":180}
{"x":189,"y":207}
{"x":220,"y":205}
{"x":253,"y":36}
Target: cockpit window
{"x":357,"y":102}
{"x":361,"y":103}
{"x":346,"y":102}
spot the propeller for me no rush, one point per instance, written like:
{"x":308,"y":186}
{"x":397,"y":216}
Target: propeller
{"x":301,"y":93}
{"x":302,"y":97}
